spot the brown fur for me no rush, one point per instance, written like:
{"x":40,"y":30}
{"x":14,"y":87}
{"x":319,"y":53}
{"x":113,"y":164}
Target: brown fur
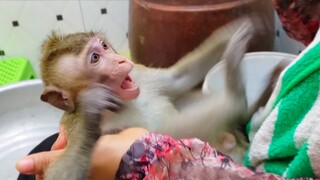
{"x":53,"y":48}
{"x":57,"y":45}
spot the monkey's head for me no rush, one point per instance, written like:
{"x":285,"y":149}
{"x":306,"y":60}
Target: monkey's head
{"x":69,"y":63}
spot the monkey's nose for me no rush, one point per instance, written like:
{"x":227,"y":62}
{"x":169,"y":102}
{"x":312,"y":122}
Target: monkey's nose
{"x":125,"y":62}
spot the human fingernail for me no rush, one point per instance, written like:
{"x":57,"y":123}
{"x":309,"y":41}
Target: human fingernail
{"x":25,"y":165}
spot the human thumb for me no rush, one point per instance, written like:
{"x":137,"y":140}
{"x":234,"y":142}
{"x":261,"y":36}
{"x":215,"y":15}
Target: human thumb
{"x":37,"y":163}
{"x":61,"y":141}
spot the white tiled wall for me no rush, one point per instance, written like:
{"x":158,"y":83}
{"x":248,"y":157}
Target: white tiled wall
{"x":37,"y":18}
{"x":114,"y":24}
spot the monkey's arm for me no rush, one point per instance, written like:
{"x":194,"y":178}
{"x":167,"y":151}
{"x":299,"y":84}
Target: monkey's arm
{"x":75,"y":162}
{"x":213,"y":115}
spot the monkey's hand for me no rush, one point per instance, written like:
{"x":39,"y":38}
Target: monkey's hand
{"x":98,"y":97}
{"x":75,"y":162}
{"x":94,"y":99}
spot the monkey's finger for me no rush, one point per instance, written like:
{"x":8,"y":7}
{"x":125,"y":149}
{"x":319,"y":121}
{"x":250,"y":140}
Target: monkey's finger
{"x":115,"y":100}
{"x":61,"y":141}
{"x":114,"y":107}
{"x":37,"y":163}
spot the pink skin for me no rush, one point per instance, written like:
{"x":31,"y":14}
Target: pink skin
{"x":113,"y":69}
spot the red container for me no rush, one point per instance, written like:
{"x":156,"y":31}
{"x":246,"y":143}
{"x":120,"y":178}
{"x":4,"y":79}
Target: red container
{"x":162,"y":31}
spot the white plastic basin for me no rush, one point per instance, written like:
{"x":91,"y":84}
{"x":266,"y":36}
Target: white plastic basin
{"x":256,"y":68}
{"x":24,"y":122}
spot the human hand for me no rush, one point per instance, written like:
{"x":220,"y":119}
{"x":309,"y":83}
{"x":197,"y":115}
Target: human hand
{"x":36,"y":164}
{"x":61,"y":141}
{"x":105,"y":160}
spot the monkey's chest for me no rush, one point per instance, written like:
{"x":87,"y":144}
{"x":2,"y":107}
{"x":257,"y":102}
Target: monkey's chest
{"x":148,"y":112}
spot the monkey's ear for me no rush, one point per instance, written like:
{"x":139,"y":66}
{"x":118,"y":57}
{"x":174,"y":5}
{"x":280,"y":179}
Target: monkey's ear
{"x":58,"y":98}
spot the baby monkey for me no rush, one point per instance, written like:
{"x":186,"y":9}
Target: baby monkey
{"x":103,"y":92}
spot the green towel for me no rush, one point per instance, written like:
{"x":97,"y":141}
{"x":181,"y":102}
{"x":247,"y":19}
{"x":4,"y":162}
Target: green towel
{"x":285,"y":136}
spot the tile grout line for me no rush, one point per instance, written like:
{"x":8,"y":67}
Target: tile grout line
{"x":83,"y":24}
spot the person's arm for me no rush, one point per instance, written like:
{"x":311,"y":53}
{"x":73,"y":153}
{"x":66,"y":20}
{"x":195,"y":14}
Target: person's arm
{"x":153,"y":156}
{"x":110,"y":148}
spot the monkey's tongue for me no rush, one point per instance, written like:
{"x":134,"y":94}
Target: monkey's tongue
{"x":127,"y":83}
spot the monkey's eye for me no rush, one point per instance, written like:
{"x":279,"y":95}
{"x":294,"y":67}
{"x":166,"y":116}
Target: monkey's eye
{"x":104,"y":45}
{"x":94,"y":58}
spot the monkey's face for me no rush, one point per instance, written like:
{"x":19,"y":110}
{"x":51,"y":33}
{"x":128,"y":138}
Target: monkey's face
{"x":105,"y":66}
{"x":98,"y":62}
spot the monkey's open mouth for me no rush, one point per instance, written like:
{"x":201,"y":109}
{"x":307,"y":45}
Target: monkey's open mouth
{"x":127,"y":83}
